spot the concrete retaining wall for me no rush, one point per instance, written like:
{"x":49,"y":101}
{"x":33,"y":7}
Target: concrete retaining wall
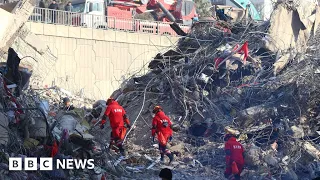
{"x":96,"y":61}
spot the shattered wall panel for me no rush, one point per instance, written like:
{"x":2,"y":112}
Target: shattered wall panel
{"x":290,"y":28}
{"x":41,"y":64}
{"x":20,"y":13}
{"x":6,"y":20}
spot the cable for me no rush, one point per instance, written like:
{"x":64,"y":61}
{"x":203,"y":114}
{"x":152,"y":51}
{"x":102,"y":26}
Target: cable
{"x":143,"y":102}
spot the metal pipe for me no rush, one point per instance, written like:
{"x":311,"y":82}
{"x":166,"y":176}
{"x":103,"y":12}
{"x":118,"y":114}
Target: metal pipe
{"x":166,"y":12}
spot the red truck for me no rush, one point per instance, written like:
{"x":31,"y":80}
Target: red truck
{"x":121,"y":14}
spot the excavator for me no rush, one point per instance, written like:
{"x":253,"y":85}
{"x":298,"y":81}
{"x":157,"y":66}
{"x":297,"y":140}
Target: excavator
{"x":241,"y":5}
{"x":124,"y":11}
{"x":252,"y":10}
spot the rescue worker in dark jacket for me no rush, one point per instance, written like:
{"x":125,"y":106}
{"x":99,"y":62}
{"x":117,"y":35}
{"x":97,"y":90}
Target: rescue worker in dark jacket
{"x":161,"y":126}
{"x":53,"y":6}
{"x":67,"y":105}
{"x":41,"y":4}
{"x":118,"y":119}
{"x":42,"y":11}
{"x":234,"y":156}
{"x":69,"y":9}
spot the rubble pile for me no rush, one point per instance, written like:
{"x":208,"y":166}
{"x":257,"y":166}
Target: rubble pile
{"x":260,"y":80}
{"x":31,"y":121}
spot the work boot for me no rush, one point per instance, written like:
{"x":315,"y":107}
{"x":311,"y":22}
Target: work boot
{"x":162,"y":158}
{"x":122,"y":151}
{"x":170,"y":156}
{"x":237,"y":177}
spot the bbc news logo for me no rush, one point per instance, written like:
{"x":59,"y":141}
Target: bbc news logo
{"x":46,"y":164}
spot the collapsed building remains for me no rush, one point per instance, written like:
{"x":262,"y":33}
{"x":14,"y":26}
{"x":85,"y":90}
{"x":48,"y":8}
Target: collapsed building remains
{"x":259,"y":79}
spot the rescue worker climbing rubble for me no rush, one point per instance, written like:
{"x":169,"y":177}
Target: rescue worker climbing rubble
{"x":161,"y":126}
{"x":118,"y":120}
{"x":234,"y":156}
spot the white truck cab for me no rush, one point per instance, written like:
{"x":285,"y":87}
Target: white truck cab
{"x":89,"y":13}
{"x":95,"y":7}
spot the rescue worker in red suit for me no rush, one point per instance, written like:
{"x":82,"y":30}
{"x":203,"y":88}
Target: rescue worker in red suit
{"x":118,"y":120}
{"x":234,"y":153}
{"x":161,"y":126}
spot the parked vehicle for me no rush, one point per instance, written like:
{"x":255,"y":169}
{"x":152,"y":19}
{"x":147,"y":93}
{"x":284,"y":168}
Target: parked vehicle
{"x":120,"y":15}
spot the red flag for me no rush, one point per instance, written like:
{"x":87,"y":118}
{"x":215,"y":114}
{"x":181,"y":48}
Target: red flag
{"x":245,"y":50}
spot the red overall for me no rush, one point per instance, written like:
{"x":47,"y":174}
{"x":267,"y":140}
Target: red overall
{"x":116,"y":115}
{"x":161,"y":125}
{"x":234,"y":153}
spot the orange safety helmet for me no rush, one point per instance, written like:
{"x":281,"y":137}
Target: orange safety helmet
{"x":110,"y":100}
{"x":156,"y":109}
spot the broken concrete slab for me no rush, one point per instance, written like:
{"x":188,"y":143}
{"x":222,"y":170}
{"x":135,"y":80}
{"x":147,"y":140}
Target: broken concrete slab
{"x":270,"y":159}
{"x":280,"y":63}
{"x":312,"y":150}
{"x":20,"y":15}
{"x":178,"y":148}
{"x":298,"y":132}
{"x":316,"y":21}
{"x":252,"y":156}
{"x":6,"y":20}
{"x":254,"y":114}
{"x":33,"y":41}
{"x":39,"y":129}
{"x":293,"y":30}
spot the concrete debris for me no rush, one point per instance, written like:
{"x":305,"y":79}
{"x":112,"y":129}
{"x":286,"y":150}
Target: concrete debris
{"x":285,"y":160}
{"x":14,"y":19}
{"x":253,"y":156}
{"x":258,"y":81}
{"x":294,"y":29}
{"x":256,"y":88}
{"x":297,"y":132}
{"x":290,"y":174}
{"x":280,"y":63}
{"x":312,"y":150}
{"x":271,"y":160}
